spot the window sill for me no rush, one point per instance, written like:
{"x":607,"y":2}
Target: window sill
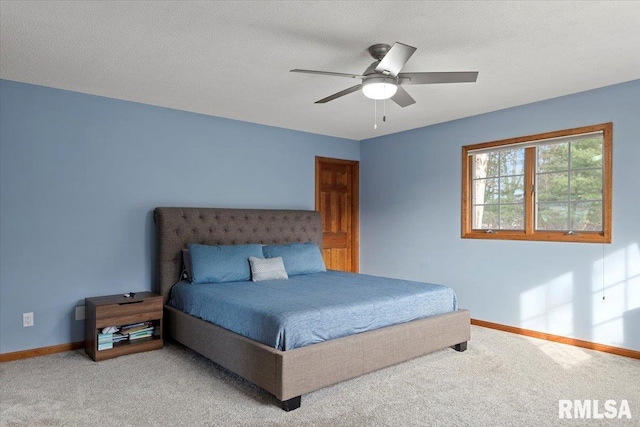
{"x":542,"y":236}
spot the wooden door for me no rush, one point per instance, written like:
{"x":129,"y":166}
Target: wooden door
{"x":337,"y":201}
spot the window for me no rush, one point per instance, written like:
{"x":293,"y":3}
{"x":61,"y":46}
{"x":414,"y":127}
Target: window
{"x":554,"y":186}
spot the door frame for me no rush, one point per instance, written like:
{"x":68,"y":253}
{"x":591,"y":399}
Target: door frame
{"x":355,"y":204}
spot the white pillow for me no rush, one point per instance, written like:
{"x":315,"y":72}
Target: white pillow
{"x":267,"y":269}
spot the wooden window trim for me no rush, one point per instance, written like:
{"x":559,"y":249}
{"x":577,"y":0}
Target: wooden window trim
{"x":529,"y":232}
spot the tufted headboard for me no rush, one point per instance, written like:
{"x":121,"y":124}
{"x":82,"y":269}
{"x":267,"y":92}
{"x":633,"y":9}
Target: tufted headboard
{"x":177,"y":227}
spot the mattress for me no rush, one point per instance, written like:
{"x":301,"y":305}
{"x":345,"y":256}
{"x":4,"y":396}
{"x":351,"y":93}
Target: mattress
{"x":311,"y":308}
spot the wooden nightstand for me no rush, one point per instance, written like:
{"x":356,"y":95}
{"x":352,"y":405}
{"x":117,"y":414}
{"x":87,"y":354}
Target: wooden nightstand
{"x":117,"y":310}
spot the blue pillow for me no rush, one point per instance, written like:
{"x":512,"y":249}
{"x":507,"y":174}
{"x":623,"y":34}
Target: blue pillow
{"x":217,"y":264}
{"x":299,"y":258}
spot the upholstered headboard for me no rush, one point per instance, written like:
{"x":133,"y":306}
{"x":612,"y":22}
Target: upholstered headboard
{"x":177,"y":227}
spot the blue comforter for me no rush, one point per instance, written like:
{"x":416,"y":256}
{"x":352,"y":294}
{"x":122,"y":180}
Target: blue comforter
{"x":311,"y":308}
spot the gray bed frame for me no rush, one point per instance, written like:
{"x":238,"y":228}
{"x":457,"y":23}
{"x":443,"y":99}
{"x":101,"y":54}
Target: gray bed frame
{"x":285,"y":374}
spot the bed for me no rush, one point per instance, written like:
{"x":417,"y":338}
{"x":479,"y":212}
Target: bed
{"x":287,"y":374}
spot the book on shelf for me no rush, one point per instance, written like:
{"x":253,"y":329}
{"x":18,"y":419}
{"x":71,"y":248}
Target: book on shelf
{"x":144,"y":335}
{"x":146,"y":331}
{"x":103,"y":338}
{"x":120,"y":337}
{"x":140,"y":331}
{"x":128,"y":329}
{"x":105,"y":345}
{"x":132,"y":325}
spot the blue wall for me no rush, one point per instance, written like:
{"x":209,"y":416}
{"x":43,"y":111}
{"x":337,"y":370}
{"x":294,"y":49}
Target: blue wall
{"x":410,"y":223}
{"x":80,"y":176}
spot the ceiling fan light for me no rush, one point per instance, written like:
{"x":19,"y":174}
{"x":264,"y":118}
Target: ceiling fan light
{"x":379,"y":88}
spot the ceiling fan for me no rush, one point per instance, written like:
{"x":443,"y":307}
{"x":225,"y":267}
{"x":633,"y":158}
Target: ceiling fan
{"x":383,"y":79}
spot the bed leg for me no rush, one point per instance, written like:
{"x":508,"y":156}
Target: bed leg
{"x":460,"y":347}
{"x":291,"y":404}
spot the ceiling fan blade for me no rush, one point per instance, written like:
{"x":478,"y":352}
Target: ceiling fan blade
{"x":339,"y":94}
{"x":433,"y":78}
{"x":395,"y":59}
{"x":328,"y":73}
{"x":402,"y":98}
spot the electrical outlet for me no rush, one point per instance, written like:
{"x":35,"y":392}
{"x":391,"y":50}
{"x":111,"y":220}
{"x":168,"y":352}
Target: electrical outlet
{"x":80,"y":312}
{"x":27,"y":320}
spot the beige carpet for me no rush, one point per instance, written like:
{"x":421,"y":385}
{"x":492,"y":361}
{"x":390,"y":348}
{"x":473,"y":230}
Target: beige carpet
{"x":501,"y":380}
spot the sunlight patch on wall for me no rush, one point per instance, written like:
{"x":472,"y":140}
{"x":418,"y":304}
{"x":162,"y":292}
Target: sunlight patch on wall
{"x":633,"y":277}
{"x":617,"y":277}
{"x":612,"y":306}
{"x":549,"y":307}
{"x":611,"y":332}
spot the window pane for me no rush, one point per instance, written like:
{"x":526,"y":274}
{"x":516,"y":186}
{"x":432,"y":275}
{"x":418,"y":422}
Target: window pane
{"x":493,"y":164}
{"x":512,"y":162}
{"x":512,"y":217}
{"x":486,"y":165}
{"x":552,"y":157}
{"x":586,"y":185}
{"x":586,"y":216}
{"x":479,"y":165}
{"x":486,"y":191}
{"x":552,"y":216}
{"x":486,"y":217}
{"x":586,"y":153}
{"x":552,"y":187}
{"x":512,"y":189}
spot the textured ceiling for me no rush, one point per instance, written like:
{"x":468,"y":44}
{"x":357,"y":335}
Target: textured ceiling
{"x":232,"y":59}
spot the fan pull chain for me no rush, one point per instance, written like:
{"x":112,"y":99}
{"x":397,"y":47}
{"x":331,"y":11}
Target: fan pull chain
{"x":375,"y":114}
{"x":384,"y":109}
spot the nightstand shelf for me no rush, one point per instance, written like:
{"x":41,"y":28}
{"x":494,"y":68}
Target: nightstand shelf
{"x":117,"y":310}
